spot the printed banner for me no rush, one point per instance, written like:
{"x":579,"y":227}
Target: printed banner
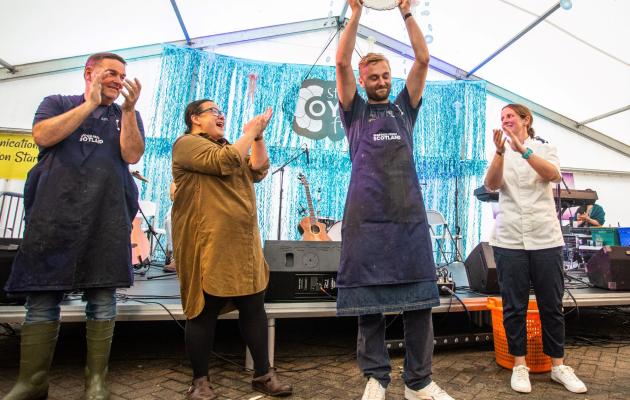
{"x":18,"y":154}
{"x":316,"y":115}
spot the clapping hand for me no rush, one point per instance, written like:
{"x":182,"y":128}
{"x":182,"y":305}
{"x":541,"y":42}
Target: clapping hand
{"x":259,"y":123}
{"x":499,"y":140}
{"x":131,"y":94}
{"x":515,"y":143}
{"x":94,"y":93}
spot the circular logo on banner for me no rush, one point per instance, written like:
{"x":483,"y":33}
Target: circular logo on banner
{"x":316,"y":112}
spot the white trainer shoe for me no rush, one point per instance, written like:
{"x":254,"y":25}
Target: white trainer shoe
{"x":564,"y":374}
{"x":373,"y":390}
{"x":520,"y":379}
{"x":430,"y":392}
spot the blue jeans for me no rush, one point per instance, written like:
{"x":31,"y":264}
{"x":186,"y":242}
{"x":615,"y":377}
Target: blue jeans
{"x":45,"y":306}
{"x":372,"y":353}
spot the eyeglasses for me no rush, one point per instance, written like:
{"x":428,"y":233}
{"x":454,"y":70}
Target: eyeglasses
{"x":214,"y":111}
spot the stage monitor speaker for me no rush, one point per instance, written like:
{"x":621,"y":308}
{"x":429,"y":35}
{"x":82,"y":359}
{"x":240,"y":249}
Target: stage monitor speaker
{"x":610,"y":268}
{"x":481,"y":269}
{"x":8,"y":250}
{"x":302,"y":270}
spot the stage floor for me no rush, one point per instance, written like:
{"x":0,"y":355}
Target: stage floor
{"x":155,"y":298}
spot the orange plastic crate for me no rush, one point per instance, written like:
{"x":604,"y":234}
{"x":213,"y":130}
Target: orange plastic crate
{"x":536,"y":360}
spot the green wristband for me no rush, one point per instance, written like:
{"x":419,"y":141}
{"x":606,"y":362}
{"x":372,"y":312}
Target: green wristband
{"x":527,"y":153}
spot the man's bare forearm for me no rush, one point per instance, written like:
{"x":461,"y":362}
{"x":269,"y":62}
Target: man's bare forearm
{"x":131,"y":141}
{"x":51,"y":131}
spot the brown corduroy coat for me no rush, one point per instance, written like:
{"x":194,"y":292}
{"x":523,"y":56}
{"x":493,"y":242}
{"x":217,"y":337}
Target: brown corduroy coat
{"x":216,"y":239}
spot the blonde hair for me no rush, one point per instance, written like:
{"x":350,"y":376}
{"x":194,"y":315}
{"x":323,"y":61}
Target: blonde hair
{"x":372,"y":58}
{"x":523,"y":112}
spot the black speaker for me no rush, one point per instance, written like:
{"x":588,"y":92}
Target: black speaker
{"x":8,"y":250}
{"x":481,"y":269}
{"x":302,"y":270}
{"x":609,"y":268}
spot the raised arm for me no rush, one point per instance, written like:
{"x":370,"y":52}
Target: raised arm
{"x":51,"y":131}
{"x":259,"y":157}
{"x":494,"y":176}
{"x":251,"y":131}
{"x":131,"y":141}
{"x":547,"y":170}
{"x":346,"y":83}
{"x":418,"y":74}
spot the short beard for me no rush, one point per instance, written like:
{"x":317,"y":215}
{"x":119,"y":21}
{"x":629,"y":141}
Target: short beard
{"x":373,"y":95}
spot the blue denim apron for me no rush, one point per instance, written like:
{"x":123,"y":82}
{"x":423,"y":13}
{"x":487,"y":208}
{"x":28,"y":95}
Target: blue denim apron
{"x":79,"y":202}
{"x":385,"y":236}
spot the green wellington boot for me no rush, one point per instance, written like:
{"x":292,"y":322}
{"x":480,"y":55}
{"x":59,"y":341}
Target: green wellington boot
{"x":98,"y":335}
{"x":37,"y":346}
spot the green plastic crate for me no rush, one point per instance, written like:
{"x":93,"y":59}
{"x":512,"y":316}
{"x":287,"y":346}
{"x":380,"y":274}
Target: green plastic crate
{"x":607,"y":236}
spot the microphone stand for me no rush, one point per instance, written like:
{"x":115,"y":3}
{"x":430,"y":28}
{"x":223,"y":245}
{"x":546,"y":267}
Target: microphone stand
{"x":281,"y":170}
{"x":559,"y":193}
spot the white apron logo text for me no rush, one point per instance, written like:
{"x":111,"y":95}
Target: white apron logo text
{"x":385,"y":136}
{"x":91,"y":138}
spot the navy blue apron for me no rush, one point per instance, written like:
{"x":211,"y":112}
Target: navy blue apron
{"x":385,"y":237}
{"x":79,"y":202}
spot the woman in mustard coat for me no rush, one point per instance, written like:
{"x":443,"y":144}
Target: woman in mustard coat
{"x":217,"y":241}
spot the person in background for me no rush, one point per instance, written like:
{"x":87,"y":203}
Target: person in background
{"x":592,"y":215}
{"x":387,"y":260}
{"x":217,"y":242}
{"x":527,"y":243}
{"x":79,"y":200}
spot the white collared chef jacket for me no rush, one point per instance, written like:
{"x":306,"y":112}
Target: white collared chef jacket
{"x":527,"y":217}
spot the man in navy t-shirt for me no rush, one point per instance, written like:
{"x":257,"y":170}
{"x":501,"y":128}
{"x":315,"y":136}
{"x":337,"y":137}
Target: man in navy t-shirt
{"x":386,"y":257}
{"x":79,"y":202}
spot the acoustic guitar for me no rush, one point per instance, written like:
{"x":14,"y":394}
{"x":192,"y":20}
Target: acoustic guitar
{"x":313,"y":230}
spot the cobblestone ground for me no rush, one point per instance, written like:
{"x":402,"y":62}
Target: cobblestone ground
{"x":317,"y":357}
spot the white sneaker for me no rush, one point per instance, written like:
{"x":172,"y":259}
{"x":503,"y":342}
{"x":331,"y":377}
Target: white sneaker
{"x":430,"y":392}
{"x":373,"y":390}
{"x":520,"y":379}
{"x":564,"y":374}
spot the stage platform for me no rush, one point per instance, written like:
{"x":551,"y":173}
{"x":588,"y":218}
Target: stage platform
{"x":157,"y":298}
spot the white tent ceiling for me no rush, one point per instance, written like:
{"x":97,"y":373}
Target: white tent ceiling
{"x":575,"y":63}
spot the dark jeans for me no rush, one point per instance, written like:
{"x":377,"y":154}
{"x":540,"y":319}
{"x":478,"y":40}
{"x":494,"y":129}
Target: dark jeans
{"x":252,"y":323}
{"x":372,"y":353}
{"x":544,"y":269}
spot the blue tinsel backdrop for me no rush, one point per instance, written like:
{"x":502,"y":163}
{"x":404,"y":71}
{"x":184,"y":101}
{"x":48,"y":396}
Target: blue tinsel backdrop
{"x":449,"y":138}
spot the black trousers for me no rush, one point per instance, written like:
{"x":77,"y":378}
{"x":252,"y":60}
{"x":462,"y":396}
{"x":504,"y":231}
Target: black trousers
{"x":252,"y":322}
{"x":544,"y":269}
